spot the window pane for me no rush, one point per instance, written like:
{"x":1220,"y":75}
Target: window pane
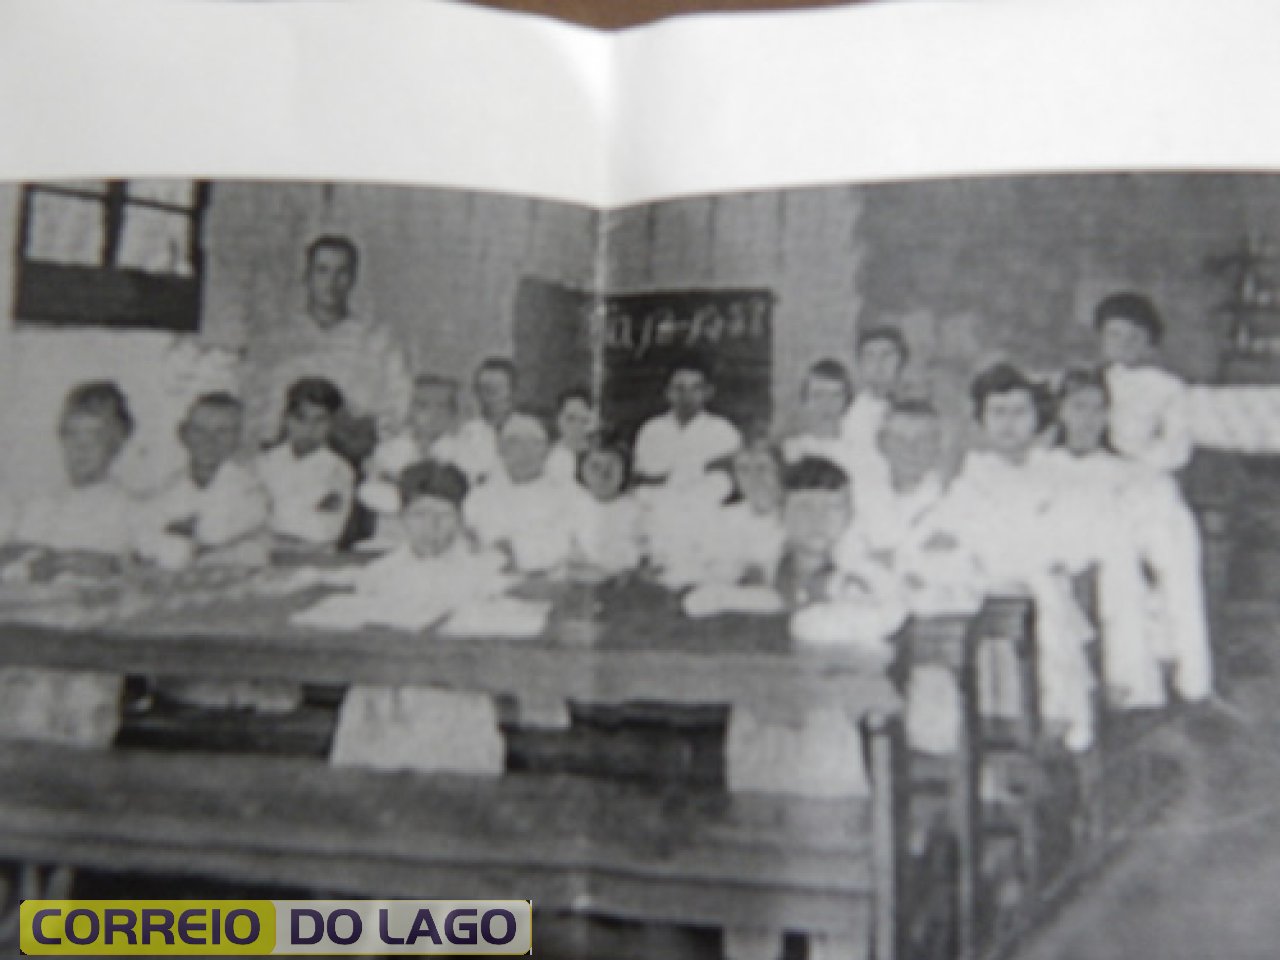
{"x":178,"y":193}
{"x":64,"y":229}
{"x":155,"y":241}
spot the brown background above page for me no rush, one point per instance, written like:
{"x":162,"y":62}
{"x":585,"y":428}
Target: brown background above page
{"x":626,"y":13}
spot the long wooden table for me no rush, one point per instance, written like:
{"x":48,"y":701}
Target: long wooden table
{"x":756,"y":865}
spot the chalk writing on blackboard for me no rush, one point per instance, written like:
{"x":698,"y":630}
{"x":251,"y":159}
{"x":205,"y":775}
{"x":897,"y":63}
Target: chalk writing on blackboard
{"x":624,"y":328}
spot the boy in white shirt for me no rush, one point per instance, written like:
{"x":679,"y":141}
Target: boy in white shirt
{"x":85,"y":529}
{"x":1149,"y":420}
{"x":893,"y":505}
{"x":432,"y":574}
{"x":1149,"y":506}
{"x":809,"y":753}
{"x":742,"y":541}
{"x":495,"y":384}
{"x":675,"y":448}
{"x":310,"y":487}
{"x":825,"y":396}
{"x":539,"y":522}
{"x":83,"y":532}
{"x":881,"y":356}
{"x":429,"y":434}
{"x":576,"y":425}
{"x":216,"y":511}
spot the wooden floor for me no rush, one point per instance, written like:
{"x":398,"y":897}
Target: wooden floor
{"x":1201,"y":884}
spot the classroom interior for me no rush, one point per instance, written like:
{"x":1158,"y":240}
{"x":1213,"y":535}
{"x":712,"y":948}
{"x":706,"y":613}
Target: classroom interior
{"x":971,"y":271}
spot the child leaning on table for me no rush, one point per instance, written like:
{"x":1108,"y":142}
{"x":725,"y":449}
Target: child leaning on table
{"x":310,"y":487}
{"x":82,"y":532}
{"x":815,"y":749}
{"x":436,"y":572}
{"x":216,"y":510}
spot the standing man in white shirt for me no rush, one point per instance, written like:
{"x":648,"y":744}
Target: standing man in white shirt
{"x":675,"y":448}
{"x":328,"y":339}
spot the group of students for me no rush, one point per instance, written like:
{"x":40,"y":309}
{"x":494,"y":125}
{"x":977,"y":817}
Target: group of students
{"x":850,"y":522}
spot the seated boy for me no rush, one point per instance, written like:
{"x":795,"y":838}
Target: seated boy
{"x":676,"y":448}
{"x":894,"y":504}
{"x":807,"y":749}
{"x":434,"y":573}
{"x":495,"y":384}
{"x":83,"y":532}
{"x":825,"y":396}
{"x":881,"y":357}
{"x":741,"y":542}
{"x":85,"y":529}
{"x":539,"y":522}
{"x":309,"y":486}
{"x":433,"y":414}
{"x":216,"y":511}
{"x":576,"y":425}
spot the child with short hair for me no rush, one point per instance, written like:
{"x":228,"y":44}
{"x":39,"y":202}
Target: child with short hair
{"x":891,"y":506}
{"x":881,"y":356}
{"x":310,"y":487}
{"x":676,"y":448}
{"x":857,"y":608}
{"x":1149,"y":420}
{"x":495,"y":384}
{"x":86,"y":529}
{"x":434,"y":573}
{"x":825,"y":395}
{"x":541,"y":523}
{"x":216,"y":511}
{"x":744,"y":538}
{"x":84,"y":532}
{"x":576,"y":424}
{"x":429,"y":434}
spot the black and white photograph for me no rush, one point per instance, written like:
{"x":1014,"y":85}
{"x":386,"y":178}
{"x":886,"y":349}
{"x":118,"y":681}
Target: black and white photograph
{"x":849,"y":572}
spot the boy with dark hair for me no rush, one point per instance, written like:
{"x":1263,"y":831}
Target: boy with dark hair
{"x":1149,"y":420}
{"x":309,"y":486}
{"x":675,"y":448}
{"x":880,"y":357}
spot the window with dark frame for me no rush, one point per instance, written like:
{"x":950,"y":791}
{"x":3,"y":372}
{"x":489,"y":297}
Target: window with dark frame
{"x":122,"y":254}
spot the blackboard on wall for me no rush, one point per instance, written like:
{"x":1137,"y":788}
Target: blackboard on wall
{"x":623,"y":345}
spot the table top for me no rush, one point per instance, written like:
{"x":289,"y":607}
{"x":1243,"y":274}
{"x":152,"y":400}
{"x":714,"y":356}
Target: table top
{"x":610,"y":643}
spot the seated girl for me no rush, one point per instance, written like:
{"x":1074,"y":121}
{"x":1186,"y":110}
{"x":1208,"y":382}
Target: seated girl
{"x":613,"y":542}
{"x":436,"y":572}
{"x":1005,"y":511}
{"x":81,"y":532}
